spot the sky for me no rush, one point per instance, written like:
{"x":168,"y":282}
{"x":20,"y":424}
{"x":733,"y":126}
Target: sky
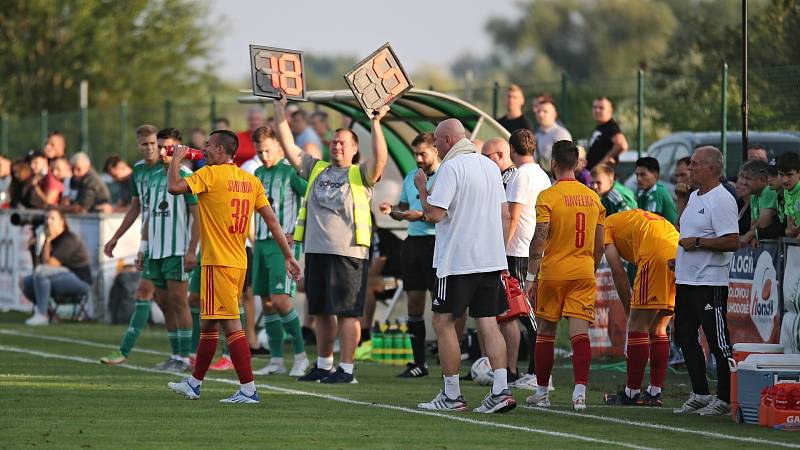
{"x":421,"y":32}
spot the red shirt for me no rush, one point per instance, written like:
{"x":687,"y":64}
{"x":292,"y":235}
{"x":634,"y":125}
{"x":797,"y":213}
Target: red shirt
{"x":50,"y":183}
{"x":246,"y":150}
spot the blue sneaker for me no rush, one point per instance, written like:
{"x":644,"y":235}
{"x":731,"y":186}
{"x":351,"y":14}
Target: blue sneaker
{"x":241,"y":397}
{"x":185,"y":388}
{"x":315,"y":374}
{"x":339,"y":376}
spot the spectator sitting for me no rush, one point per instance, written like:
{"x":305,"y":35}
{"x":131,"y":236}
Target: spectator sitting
{"x":22,"y":189}
{"x":121,"y":182}
{"x":743,"y":203}
{"x":63,"y":172}
{"x":607,"y":141}
{"x":304,"y":136}
{"x":56,"y":146}
{"x":64,"y":269}
{"x":549,"y":131}
{"x":757,"y":152}
{"x":789,"y":171}
{"x":653,"y":196}
{"x":514,"y":119}
{"x":613,"y":195}
{"x":581,"y":173}
{"x":763,"y":204}
{"x":319,"y":122}
{"x":246,"y":150}
{"x":5,"y":181}
{"x":88,"y":193}
{"x":46,"y":187}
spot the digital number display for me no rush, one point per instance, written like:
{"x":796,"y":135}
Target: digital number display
{"x":378,"y":80}
{"x":276,"y":70}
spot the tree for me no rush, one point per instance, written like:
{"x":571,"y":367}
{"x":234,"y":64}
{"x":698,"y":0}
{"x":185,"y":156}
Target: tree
{"x":143,"y":50}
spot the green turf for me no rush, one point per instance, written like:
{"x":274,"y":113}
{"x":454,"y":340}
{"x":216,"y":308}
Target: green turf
{"x":56,"y":403}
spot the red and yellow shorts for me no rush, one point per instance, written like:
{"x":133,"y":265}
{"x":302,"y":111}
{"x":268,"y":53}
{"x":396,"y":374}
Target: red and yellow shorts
{"x":565,"y":298}
{"x":654,"y":286}
{"x":220,"y":288}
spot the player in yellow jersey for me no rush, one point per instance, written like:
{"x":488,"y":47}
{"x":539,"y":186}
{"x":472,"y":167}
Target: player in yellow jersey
{"x":651,"y":242}
{"x":566,"y":249}
{"x":227,"y":197}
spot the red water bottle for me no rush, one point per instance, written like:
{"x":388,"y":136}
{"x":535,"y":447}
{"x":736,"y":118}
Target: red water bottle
{"x":192,"y":154}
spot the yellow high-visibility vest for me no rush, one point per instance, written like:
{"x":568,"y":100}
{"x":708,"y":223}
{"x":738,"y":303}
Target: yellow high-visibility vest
{"x":361,"y":215}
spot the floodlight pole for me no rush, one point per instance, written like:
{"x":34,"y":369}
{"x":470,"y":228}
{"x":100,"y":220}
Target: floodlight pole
{"x":745,"y":106}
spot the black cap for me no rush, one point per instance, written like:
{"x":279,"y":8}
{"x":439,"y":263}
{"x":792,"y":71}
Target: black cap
{"x":34,"y":154}
{"x":772,"y":168}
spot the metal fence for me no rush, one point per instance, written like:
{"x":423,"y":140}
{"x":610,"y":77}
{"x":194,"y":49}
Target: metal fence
{"x":648,"y":105}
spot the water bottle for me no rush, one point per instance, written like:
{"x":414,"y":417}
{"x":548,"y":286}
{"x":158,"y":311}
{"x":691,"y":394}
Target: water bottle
{"x":192,"y":154}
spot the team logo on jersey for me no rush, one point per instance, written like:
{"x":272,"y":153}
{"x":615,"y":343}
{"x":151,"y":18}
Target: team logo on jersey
{"x":162,"y":210}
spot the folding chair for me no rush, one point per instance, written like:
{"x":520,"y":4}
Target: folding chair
{"x":78,"y":302}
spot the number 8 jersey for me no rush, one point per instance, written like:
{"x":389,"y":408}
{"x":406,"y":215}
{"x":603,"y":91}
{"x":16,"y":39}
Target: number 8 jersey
{"x":573,"y":211}
{"x":227,"y":197}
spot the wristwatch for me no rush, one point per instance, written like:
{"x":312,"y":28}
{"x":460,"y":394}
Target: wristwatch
{"x":697,"y":242}
{"x":532,"y":276}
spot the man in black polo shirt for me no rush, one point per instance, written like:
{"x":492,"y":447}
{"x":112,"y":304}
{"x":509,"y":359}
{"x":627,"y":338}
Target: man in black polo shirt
{"x":607,"y":141}
{"x":514,"y":118}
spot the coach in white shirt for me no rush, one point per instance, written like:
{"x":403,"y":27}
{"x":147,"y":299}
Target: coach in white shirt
{"x":709,"y":234}
{"x":465,"y":203}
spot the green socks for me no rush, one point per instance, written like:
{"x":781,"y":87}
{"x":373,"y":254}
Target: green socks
{"x":291,"y":323}
{"x":195,"y":310}
{"x":184,"y":341}
{"x":272,"y":324}
{"x":137,"y":324}
{"x":174,"y":343}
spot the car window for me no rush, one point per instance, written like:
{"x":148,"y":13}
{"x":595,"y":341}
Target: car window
{"x":665,"y":156}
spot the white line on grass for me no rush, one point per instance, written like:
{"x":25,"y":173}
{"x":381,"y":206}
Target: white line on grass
{"x":344,"y":400}
{"x":76,"y":341}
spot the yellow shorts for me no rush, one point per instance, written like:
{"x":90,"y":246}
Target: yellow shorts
{"x":654,"y":286}
{"x":220,"y":288}
{"x":566,"y":298}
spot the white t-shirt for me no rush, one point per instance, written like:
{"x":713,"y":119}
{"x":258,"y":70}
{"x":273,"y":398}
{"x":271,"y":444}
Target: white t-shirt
{"x":251,"y":165}
{"x":524,"y":187}
{"x":710,"y":215}
{"x":470,"y":237}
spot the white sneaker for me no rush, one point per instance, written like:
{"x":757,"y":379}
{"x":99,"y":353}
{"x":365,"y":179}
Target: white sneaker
{"x":527,"y":381}
{"x":37,"y":320}
{"x":694,"y":403}
{"x":579,"y":403}
{"x":273,"y":368}
{"x":538,"y":400}
{"x":300,"y":365}
{"x":241,"y":397}
{"x":184,"y":388}
{"x":717,"y":407}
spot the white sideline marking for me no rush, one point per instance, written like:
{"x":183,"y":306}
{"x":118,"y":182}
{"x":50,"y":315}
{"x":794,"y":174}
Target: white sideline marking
{"x":342,"y":400}
{"x":743,"y":439}
{"x":77,"y":341}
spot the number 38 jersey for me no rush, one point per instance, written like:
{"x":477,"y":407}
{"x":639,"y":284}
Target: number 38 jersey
{"x":573,"y":211}
{"x":227,"y":197}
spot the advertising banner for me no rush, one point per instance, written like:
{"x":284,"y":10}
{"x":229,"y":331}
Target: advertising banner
{"x":754,"y":311}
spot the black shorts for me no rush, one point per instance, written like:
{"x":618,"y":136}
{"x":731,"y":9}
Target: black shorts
{"x":248,"y":278}
{"x":518,"y":268}
{"x":482,"y":293}
{"x":335,"y":285}
{"x":417,"y":256}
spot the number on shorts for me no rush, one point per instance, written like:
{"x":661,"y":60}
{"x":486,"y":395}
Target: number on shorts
{"x":241,"y":209}
{"x":580,"y":229}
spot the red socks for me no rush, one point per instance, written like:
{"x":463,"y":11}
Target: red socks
{"x":205,"y":353}
{"x":638,"y":352}
{"x":240,"y":356}
{"x":581,"y":358}
{"x":659,"y":357}
{"x":544,"y":356}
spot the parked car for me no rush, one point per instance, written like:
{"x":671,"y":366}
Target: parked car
{"x":676,"y":146}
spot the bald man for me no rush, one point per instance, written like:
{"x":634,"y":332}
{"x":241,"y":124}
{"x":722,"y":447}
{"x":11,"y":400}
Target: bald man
{"x":466,"y":199}
{"x":88,"y":193}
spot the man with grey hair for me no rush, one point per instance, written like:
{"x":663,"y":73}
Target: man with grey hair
{"x":709,"y":233}
{"x":466,"y":199}
{"x":88,"y":193}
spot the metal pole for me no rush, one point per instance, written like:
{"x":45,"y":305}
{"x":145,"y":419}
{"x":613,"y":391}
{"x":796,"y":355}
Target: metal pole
{"x":43,"y":127}
{"x":745,"y":106}
{"x":563,"y":109}
{"x":639,"y":112}
{"x":167,"y":113}
{"x":724,"y":114}
{"x":123,"y":128}
{"x":84,"y":116}
{"x":4,"y":134}
{"x":495,"y":98}
{"x":213,"y":112}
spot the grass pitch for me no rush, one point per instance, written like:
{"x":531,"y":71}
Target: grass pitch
{"x":54,"y":394}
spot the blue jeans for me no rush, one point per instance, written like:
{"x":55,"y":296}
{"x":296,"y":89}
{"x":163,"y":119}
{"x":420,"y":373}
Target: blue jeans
{"x":48,"y":281}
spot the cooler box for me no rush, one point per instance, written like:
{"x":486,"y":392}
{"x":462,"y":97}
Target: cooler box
{"x":757,"y":372}
{"x":740,"y":352}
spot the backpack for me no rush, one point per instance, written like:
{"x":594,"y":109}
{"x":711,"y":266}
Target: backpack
{"x":122,"y":297}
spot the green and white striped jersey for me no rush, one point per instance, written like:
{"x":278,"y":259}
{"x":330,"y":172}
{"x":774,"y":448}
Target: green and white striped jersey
{"x":168,"y":229}
{"x":139,"y":188}
{"x":285,"y":190}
